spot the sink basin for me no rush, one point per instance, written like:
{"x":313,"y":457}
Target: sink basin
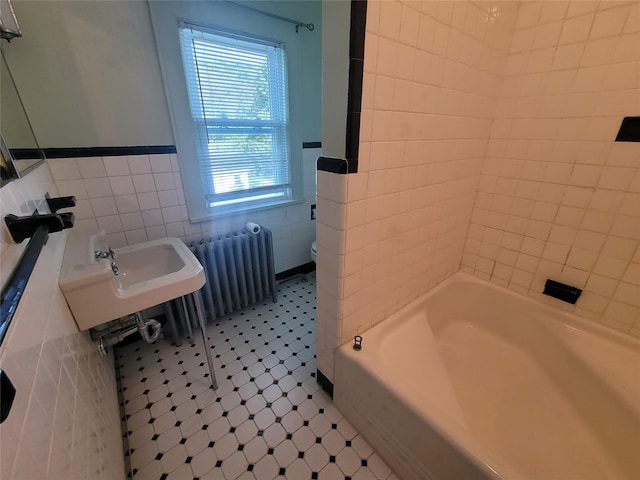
{"x":150,"y":273}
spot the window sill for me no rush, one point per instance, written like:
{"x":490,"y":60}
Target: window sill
{"x":222,"y":212}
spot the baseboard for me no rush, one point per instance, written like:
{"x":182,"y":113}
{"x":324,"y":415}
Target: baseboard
{"x":306,"y":268}
{"x":324,"y":382}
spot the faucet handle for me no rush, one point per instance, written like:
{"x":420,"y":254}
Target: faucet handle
{"x":111,"y":253}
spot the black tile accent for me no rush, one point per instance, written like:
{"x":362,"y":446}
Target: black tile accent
{"x":318,"y":439}
{"x":311,"y":144}
{"x":188,"y":460}
{"x":270,"y":451}
{"x":219,"y":463}
{"x":77,"y":152}
{"x":300,"y":454}
{"x":314,"y":475}
{"x":282,"y":471}
{"x":353,"y":141}
{"x":356,"y":73}
{"x":348,"y":443}
{"x":332,"y":458}
{"x":629,"y":130}
{"x":211,"y":444}
{"x":325,"y":383}
{"x":356,"y":69}
{"x":26,"y":153}
{"x":333,"y":165}
{"x":250,"y":467}
{"x":358,"y":25}
{"x":159,"y":456}
{"x":363,"y":462}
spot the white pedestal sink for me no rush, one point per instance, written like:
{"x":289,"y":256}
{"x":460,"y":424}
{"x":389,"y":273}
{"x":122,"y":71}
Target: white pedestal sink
{"x":139,"y":276}
{"x":150,"y":273}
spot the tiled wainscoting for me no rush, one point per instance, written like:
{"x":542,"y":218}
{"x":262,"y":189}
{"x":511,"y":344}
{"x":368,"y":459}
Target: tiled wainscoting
{"x":140,"y":197}
{"x":268,"y":419}
{"x":63,"y":422}
{"x":64,"y":419}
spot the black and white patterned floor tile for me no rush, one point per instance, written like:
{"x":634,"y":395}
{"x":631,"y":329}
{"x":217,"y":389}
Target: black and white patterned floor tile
{"x":268,"y":419}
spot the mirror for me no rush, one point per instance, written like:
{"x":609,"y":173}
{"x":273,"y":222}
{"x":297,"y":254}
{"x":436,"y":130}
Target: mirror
{"x":19,"y":148}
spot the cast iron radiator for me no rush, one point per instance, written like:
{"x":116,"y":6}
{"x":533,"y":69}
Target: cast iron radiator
{"x":240,"y":271}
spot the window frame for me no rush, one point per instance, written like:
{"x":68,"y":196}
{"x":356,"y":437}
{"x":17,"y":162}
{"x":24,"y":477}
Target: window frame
{"x":277,"y":126}
{"x":166,"y":18}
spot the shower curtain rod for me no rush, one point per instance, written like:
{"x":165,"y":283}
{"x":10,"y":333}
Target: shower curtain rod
{"x":298,"y":24}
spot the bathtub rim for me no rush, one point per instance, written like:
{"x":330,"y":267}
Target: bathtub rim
{"x":443,"y":423}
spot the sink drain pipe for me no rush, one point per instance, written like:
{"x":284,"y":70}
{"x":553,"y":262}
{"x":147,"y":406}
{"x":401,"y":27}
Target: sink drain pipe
{"x":120,"y":329}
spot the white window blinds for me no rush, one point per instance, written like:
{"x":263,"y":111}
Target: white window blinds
{"x":238,"y":98}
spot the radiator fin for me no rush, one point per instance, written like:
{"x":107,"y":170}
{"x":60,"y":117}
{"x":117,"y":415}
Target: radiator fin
{"x":239,"y":270}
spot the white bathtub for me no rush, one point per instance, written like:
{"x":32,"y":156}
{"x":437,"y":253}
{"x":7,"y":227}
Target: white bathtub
{"x":474,"y":381}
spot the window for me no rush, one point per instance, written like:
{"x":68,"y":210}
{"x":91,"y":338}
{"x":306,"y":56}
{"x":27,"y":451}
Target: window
{"x":237,"y":88}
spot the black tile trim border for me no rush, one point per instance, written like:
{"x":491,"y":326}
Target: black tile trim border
{"x":300,"y":269}
{"x":333,"y":165}
{"x":311,"y":144}
{"x":123,"y":419}
{"x":76,"y":152}
{"x":26,"y":153}
{"x":356,"y":71}
{"x":325,"y":383}
{"x":629,"y":130}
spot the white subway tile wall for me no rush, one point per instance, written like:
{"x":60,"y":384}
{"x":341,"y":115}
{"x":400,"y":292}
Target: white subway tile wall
{"x":432,"y":72}
{"x":486,"y":144}
{"x":64,"y":422}
{"x":139,"y":198}
{"x":557,"y":196}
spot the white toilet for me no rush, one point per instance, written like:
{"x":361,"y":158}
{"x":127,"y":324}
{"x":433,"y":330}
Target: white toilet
{"x":313,"y":251}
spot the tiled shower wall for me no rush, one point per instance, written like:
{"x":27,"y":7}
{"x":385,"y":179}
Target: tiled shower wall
{"x":558,"y":197}
{"x":64,"y":422}
{"x":397,"y":227}
{"x":139,"y":198}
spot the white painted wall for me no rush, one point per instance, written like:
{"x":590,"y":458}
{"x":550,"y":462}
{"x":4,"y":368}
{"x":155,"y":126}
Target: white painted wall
{"x":88,"y":74}
{"x":336,"y":18}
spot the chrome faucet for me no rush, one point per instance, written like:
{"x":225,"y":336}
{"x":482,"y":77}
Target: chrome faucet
{"x":105,"y":254}
{"x":108,"y":253}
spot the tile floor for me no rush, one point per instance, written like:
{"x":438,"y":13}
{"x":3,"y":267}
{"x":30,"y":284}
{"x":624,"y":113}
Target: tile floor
{"x":268,"y":419}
